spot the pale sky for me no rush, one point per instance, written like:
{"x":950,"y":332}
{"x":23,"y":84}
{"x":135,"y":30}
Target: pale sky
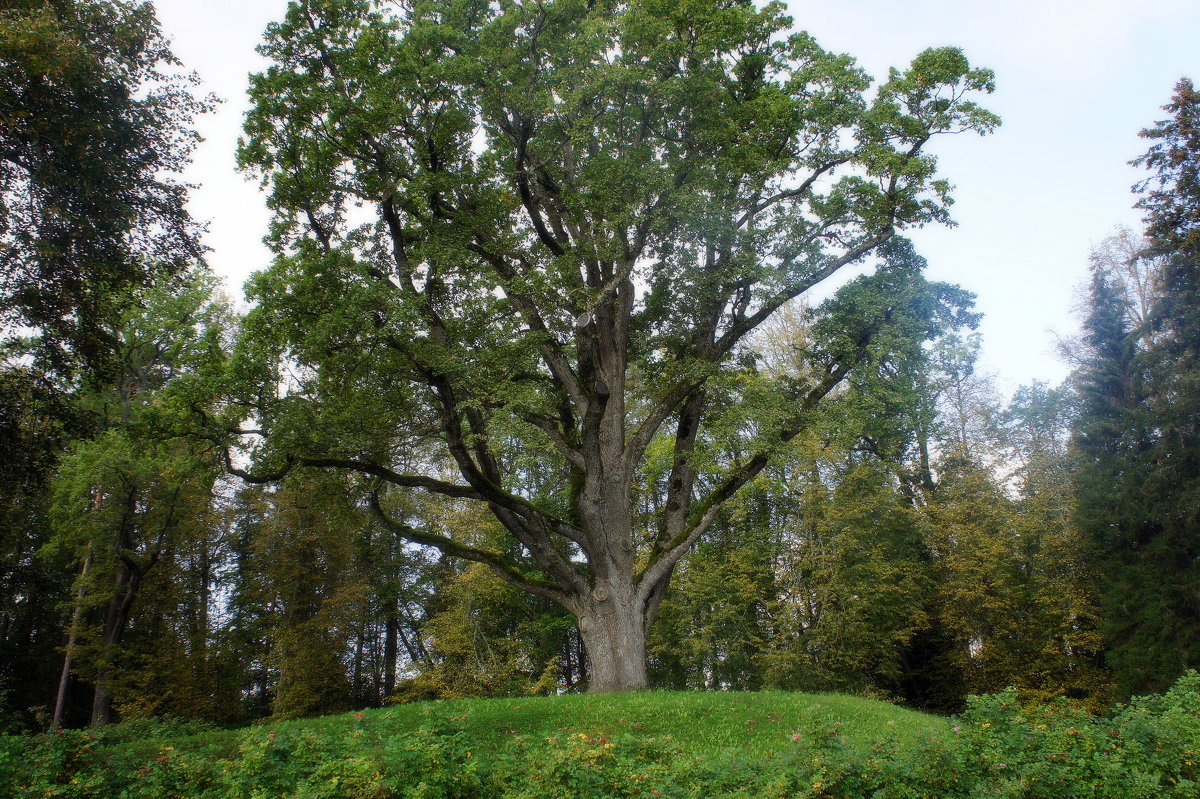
{"x":1076,"y":81}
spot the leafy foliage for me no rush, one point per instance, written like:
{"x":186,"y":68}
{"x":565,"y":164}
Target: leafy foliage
{"x":94,"y":122}
{"x":550,"y":228}
{"x":1138,"y":427}
{"x":135,"y":499}
{"x":773,"y":745}
{"x":36,"y":424}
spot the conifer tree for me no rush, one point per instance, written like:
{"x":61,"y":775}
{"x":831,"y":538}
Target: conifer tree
{"x":1155,"y":614}
{"x":1139,"y":425}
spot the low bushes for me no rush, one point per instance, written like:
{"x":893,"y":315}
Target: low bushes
{"x":1148,"y":748}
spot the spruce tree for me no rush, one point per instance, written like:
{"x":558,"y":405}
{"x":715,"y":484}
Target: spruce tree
{"x":1171,"y":198}
{"x":1137,"y":435}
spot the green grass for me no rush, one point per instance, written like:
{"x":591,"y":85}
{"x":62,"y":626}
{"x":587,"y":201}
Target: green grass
{"x":699,"y":723}
{"x":653,"y":745}
{"x":729,"y":732}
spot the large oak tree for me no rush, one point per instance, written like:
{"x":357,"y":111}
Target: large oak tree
{"x":521,"y":248}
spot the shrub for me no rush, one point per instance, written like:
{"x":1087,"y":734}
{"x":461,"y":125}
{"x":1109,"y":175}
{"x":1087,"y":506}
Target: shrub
{"x":997,"y":748}
{"x":1147,"y":748}
{"x":583,"y":766}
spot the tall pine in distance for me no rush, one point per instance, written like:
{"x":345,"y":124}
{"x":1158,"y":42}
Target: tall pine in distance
{"x":1137,"y":435}
{"x":1110,"y":448}
{"x":1171,"y":199}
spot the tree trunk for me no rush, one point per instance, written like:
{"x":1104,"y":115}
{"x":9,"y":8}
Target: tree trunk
{"x":357,"y":674}
{"x":102,"y":699}
{"x":391,"y":637}
{"x":64,"y":680}
{"x":128,"y":582}
{"x":614,"y":637}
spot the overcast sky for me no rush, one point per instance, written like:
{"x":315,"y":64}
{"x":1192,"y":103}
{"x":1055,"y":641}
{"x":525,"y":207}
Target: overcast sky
{"x":1076,"y":81}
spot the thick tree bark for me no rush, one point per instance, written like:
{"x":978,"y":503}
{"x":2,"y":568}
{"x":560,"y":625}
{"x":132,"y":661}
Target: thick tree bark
{"x":102,"y":699}
{"x":614,"y":637}
{"x":612,"y":617}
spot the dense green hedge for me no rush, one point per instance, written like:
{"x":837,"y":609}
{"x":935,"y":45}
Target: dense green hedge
{"x":1149,"y":748}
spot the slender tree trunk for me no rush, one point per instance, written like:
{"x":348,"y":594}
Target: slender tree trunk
{"x":391,"y":637}
{"x":568,"y":661}
{"x":200,"y":632}
{"x":102,"y":699}
{"x":357,"y":679}
{"x":581,"y":666}
{"x":119,"y":607}
{"x":264,"y":691}
{"x":102,"y":694}
{"x":64,"y":681}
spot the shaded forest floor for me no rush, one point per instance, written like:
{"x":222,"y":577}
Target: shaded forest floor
{"x":653,"y":745}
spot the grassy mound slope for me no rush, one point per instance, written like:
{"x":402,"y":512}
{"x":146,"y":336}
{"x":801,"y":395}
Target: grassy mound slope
{"x":653,"y":745}
{"x":698,"y":724}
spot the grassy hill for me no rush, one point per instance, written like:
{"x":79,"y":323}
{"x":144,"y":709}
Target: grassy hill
{"x":657,"y":745}
{"x":699,"y":724}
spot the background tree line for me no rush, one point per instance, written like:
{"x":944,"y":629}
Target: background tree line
{"x":920,"y":540}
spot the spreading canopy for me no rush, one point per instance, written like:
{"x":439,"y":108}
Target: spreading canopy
{"x":518,"y":243}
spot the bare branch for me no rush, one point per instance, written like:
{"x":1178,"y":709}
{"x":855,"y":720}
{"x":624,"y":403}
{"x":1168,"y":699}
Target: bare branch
{"x":662,"y":562}
{"x":504,"y":567}
{"x":555,"y":434}
{"x":763,"y":205}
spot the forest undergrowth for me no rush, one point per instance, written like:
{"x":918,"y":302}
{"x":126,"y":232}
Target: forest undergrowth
{"x":651,"y":744}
